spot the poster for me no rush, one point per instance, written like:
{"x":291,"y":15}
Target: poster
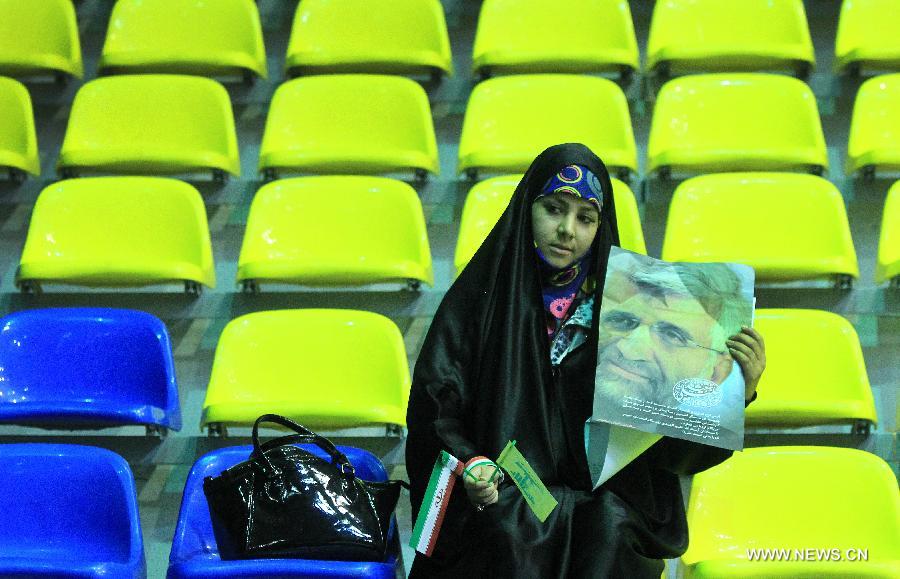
{"x":663,"y":368}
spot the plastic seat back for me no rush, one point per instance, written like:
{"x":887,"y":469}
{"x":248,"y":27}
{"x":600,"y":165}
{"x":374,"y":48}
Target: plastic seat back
{"x":802,"y":226}
{"x":888,"y":265}
{"x":324,"y":368}
{"x":349,"y":124}
{"x":184,"y":37}
{"x":38,"y":38}
{"x":513,"y":36}
{"x":815,"y":372}
{"x":510,"y":120}
{"x":868,"y":35}
{"x":736,"y":122}
{"x":68,"y":511}
{"x":195,"y":553}
{"x":822,"y":498}
{"x":874,"y":141}
{"x":488,"y":199}
{"x":18,"y":139}
{"x":711,"y":35}
{"x":369,"y":36}
{"x":159,"y":124}
{"x":84,"y":367}
{"x":336,"y":230}
{"x":154,"y":231}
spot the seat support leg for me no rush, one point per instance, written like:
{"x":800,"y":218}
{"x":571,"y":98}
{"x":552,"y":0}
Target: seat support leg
{"x":16,"y":175}
{"x":216,"y":430}
{"x":156,"y":431}
{"x":30,"y":287}
{"x":843,"y":282}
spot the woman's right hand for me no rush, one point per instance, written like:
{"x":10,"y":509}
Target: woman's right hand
{"x":482,"y":492}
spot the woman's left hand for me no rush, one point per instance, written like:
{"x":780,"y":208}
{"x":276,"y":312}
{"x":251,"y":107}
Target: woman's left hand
{"x":749,"y":349}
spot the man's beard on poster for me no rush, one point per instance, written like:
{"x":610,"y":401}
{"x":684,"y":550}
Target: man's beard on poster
{"x":651,"y":387}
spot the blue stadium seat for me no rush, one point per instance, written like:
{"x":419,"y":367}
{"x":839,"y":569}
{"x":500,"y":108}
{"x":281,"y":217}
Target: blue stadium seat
{"x":87,"y":368}
{"x":68,"y":511}
{"x":195,"y":553}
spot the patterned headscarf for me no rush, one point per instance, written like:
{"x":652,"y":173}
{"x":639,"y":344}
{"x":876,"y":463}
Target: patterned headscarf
{"x":577,"y":181}
{"x":560,"y":285}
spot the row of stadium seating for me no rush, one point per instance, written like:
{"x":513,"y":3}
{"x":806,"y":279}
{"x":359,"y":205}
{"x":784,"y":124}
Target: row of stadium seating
{"x":155,"y":231}
{"x":72,"y":511}
{"x":171,"y":124}
{"x":89,"y":523}
{"x":410,"y":37}
{"x":96,"y":367}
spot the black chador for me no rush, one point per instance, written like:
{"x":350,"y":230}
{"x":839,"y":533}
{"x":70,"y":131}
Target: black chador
{"x":484,"y":377}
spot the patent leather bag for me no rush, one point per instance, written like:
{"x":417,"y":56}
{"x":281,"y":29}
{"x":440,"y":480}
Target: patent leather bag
{"x":285,"y":501}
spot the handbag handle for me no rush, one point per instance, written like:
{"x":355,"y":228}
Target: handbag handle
{"x":303,"y":435}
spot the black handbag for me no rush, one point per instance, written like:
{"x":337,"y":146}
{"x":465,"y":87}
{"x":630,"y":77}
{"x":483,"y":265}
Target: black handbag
{"x":285,"y":501}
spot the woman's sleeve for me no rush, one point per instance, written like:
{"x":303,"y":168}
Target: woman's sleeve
{"x":685,"y":457}
{"x":440,"y":396}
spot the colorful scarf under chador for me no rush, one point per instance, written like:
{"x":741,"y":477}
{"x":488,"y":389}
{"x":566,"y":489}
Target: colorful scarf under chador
{"x":560,"y":286}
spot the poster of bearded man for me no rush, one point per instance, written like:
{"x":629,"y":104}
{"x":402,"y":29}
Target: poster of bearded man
{"x":663,"y":366}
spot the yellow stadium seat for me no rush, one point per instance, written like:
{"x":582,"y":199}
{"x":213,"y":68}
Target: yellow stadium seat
{"x":38,"y":38}
{"x":118,"y":231}
{"x":875,"y":127}
{"x":786,"y":226}
{"x":736,"y":122}
{"x":18,"y":140}
{"x":150,"y":124}
{"x":790,"y":499}
{"x":868,"y":36}
{"x":888,"y":265}
{"x":510,"y":120}
{"x":355,"y":123}
{"x":369,"y":36}
{"x":585,"y":36}
{"x":346,"y":230}
{"x":715,"y":35}
{"x":323,"y":368}
{"x":815,"y":372}
{"x":184,"y":37}
{"x":488,"y":199}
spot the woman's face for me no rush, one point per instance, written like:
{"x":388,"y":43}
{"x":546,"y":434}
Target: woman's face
{"x":564,"y":227}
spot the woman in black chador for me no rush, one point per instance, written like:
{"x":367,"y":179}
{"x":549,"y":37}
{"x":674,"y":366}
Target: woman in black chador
{"x":511,"y":354}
